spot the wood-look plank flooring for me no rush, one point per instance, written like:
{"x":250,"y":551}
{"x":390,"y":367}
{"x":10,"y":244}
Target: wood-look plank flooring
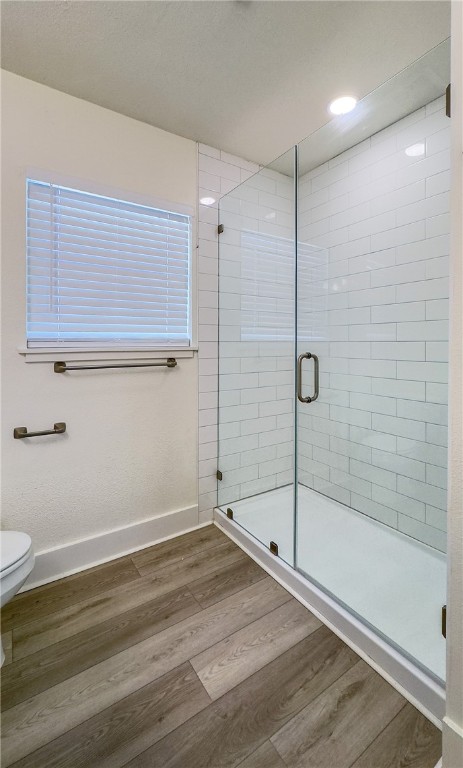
{"x":7,"y":644}
{"x":188,"y":655}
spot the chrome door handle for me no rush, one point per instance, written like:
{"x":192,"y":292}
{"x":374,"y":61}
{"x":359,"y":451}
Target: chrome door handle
{"x":307,"y":356}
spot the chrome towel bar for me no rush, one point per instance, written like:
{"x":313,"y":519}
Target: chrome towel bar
{"x":60,"y":367}
{"x":58,"y":429}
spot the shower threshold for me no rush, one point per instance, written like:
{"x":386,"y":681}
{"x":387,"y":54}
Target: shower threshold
{"x":378,"y":589}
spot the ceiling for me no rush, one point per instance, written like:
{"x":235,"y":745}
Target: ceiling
{"x":252,"y":78}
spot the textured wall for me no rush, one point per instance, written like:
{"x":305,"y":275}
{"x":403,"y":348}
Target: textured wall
{"x":131,"y":446}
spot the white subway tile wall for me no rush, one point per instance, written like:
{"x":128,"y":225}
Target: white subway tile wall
{"x":218,"y":173}
{"x":373,"y":304}
{"x":256,"y":337}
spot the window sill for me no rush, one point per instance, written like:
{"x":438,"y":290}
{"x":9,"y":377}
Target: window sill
{"x":71,"y":354}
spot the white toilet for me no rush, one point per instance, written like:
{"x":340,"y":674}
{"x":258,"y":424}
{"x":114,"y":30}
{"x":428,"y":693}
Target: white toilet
{"x":16,"y":563}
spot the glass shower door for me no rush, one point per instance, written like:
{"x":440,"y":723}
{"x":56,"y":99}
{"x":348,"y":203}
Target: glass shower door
{"x":372,"y":334}
{"x":256,"y":354}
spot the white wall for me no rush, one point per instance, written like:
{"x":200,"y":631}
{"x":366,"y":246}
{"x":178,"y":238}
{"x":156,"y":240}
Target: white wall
{"x":373,"y":304}
{"x":131,"y":446}
{"x":453,"y":721}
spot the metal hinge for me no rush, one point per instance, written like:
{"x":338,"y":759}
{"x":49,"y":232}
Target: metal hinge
{"x":448,"y":98}
{"x":220,"y":229}
{"x":230,"y":513}
{"x":444,"y":621}
{"x":219,"y":475}
{"x":273,"y":548}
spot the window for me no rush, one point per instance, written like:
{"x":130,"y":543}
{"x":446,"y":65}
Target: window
{"x":104,"y":272}
{"x":267,"y":288}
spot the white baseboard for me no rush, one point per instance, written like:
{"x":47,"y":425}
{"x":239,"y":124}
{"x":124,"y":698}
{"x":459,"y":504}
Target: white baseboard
{"x":74,"y":557}
{"x":420,"y":689}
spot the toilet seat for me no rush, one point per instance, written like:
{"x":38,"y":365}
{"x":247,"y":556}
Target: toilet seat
{"x":15,"y":549}
{"x":16,"y":563}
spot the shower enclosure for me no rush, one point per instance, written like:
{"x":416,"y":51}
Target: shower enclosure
{"x":333,"y":338}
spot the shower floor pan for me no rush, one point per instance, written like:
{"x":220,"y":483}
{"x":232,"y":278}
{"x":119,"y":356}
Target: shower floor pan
{"x":377,"y":588}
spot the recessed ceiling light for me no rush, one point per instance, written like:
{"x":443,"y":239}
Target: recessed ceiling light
{"x":415,"y":150}
{"x":207,"y":200}
{"x":343,"y":105}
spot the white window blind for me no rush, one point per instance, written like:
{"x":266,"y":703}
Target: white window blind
{"x":105,"y":272}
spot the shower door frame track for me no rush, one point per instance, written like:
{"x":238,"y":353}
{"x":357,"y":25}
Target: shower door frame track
{"x":412,"y":682}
